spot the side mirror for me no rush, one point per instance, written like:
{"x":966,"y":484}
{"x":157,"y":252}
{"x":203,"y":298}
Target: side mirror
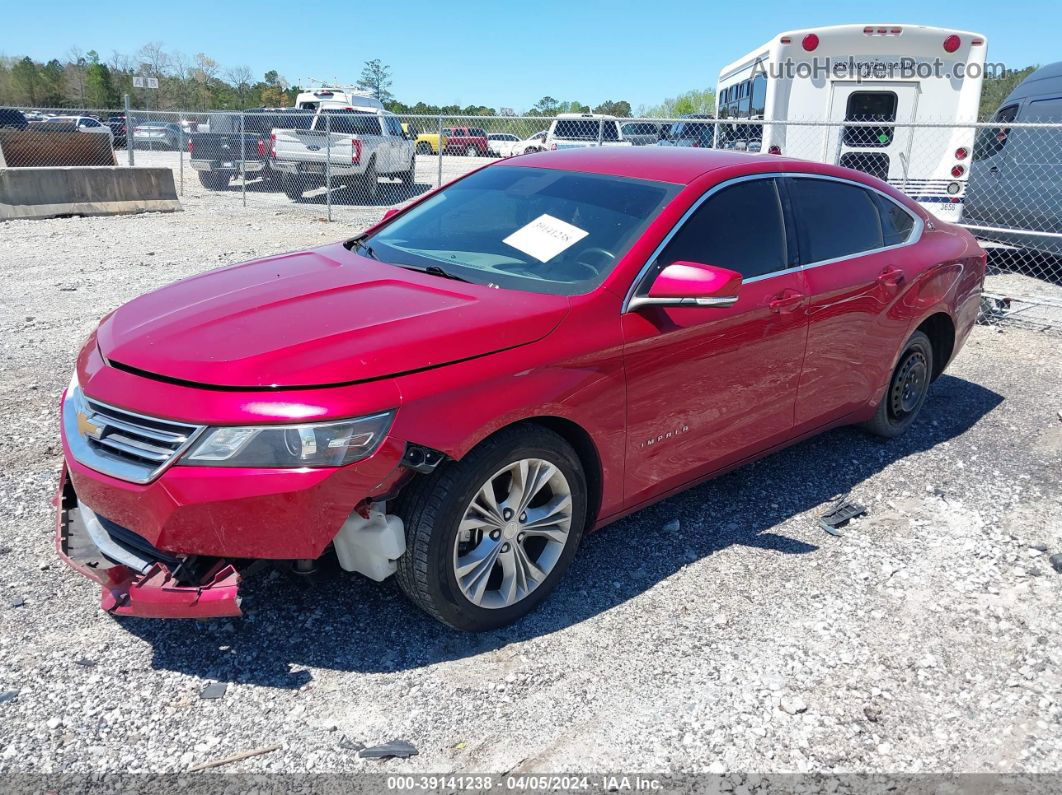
{"x":691,"y":284}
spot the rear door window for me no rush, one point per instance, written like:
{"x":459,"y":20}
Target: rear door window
{"x":741,"y":227}
{"x":354,"y":123}
{"x":870,"y":106}
{"x":834,"y":219}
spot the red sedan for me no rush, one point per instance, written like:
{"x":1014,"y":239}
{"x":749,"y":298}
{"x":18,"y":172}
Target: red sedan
{"x":457,"y":395}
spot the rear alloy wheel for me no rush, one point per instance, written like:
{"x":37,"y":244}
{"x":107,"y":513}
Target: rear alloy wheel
{"x":489,"y":537}
{"x":907,"y":389}
{"x":424,"y":148}
{"x":471,"y":152}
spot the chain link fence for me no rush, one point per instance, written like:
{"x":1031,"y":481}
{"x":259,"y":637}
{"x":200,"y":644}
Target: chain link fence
{"x":1003,"y":181}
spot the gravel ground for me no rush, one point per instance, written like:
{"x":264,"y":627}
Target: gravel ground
{"x":719,"y":630}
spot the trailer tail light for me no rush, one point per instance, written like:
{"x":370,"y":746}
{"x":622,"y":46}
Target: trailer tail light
{"x":774,"y":149}
{"x":957,"y":171}
{"x":355,"y":151}
{"x":810,"y":43}
{"x":961,"y":153}
{"x":870,"y":30}
{"x":261,"y":148}
{"x":273,"y":145}
{"x":952,"y":43}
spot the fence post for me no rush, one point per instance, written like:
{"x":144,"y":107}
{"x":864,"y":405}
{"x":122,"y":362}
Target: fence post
{"x":328,"y":163}
{"x":181,"y":147}
{"x":439,"y":140}
{"x":129,"y":133}
{"x":243,"y":163}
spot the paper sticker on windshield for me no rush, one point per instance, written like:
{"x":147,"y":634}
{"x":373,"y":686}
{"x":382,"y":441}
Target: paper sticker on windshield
{"x":545,"y":237}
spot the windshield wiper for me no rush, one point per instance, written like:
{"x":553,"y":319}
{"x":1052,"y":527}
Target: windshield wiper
{"x":435,"y":270}
{"x":363,"y":247}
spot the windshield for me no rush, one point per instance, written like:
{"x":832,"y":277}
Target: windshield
{"x":537,"y":230}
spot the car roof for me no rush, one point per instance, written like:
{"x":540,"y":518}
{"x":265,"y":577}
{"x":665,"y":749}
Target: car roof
{"x":675,"y":164}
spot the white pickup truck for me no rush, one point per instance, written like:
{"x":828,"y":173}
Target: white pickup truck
{"x":580,"y":130}
{"x":355,"y":145}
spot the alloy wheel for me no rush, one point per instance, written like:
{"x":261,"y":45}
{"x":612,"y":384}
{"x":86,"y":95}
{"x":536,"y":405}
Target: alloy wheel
{"x":512,"y":533}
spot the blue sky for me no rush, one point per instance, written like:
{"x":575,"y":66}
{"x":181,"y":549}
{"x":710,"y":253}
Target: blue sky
{"x":502,"y":53}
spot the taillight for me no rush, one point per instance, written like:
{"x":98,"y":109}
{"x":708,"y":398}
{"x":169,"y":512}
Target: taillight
{"x":961,"y":153}
{"x":261,"y":148}
{"x":774,"y":149}
{"x":810,"y":42}
{"x":355,"y":151}
{"x":957,"y":171}
{"x":189,"y":146}
{"x":273,"y":145}
{"x":951,"y":44}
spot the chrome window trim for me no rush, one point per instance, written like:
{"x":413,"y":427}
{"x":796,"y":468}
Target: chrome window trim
{"x":912,"y":238}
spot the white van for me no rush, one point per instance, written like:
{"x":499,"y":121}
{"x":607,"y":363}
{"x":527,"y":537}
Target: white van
{"x":580,"y":130}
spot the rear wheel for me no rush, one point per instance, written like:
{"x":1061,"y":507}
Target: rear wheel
{"x":409,"y":176}
{"x":292,"y":187}
{"x":214,"y":180}
{"x":907,"y":389}
{"x":489,"y":537}
{"x":471,"y":151}
{"x":424,"y":148}
{"x":368,"y":187}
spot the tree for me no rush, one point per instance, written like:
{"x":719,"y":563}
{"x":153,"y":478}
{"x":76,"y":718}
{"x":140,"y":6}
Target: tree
{"x":622,"y":108}
{"x":547,"y":106}
{"x":240,"y":78}
{"x":99,"y":90}
{"x":695,"y":101}
{"x":27,"y":80}
{"x":996,"y":88}
{"x":376,"y":77}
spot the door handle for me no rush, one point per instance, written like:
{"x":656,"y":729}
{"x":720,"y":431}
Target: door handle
{"x":890,"y":277}
{"x":786,"y":302}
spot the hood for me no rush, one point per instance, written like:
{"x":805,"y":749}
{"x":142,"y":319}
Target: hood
{"x":316,"y":318}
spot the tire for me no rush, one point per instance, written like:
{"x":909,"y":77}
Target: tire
{"x":434,"y":507}
{"x":292,"y":187}
{"x":409,"y":176}
{"x":471,"y":151}
{"x":907,"y":389}
{"x":214,"y":180}
{"x":368,"y":186}
{"x":424,"y":148}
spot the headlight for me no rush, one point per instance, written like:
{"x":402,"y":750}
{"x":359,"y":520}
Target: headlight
{"x":324,"y":444}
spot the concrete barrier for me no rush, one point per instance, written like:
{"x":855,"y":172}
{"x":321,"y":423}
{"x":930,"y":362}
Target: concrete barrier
{"x":85,"y":190}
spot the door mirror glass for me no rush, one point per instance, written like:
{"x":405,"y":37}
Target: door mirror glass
{"x":691,"y":284}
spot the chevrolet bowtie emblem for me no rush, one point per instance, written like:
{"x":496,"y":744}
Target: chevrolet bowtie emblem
{"x":87,"y":427}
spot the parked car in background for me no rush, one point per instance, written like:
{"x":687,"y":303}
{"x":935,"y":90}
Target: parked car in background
{"x":468,"y":141}
{"x":118,"y":131}
{"x":427,"y":143}
{"x":580,"y":130}
{"x":1015,"y":187}
{"x":158,"y":135}
{"x":81,"y":124}
{"x":689,"y":132}
{"x":12,"y":119}
{"x":458,"y":394}
{"x":534,"y":143}
{"x":219,"y":155}
{"x":501,"y":144}
{"x":355,"y":146}
{"x":642,"y":133}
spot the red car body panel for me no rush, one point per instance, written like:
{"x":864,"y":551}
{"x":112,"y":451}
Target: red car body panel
{"x":662,"y":397}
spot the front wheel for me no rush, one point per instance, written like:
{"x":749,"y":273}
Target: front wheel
{"x":907,"y":389}
{"x":489,"y":537}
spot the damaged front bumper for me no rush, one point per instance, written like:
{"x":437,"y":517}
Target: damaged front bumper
{"x":137,"y":579}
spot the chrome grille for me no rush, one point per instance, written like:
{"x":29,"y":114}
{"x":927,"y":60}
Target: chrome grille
{"x":121,"y":443}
